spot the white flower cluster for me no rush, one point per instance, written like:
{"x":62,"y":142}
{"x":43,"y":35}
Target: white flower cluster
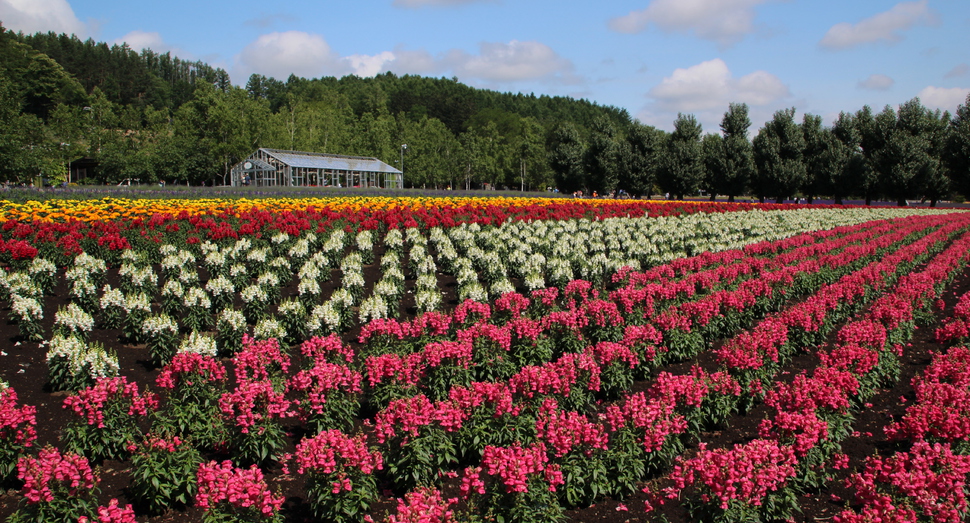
{"x":231,"y":320}
{"x":291,"y":308}
{"x":43,"y":267}
{"x":220,"y":286}
{"x":472,"y":291}
{"x":98,"y":362}
{"x":159,"y":325}
{"x":427,"y":300}
{"x":365,"y":240}
{"x":240,"y":248}
{"x":92,"y":360}
{"x":257,"y":257}
{"x":90,"y":264}
{"x":300,"y":249}
{"x":26,"y":308}
{"x":269,"y":328}
{"x":324,"y":318}
{"x":500,"y":287}
{"x":215,"y":261}
{"x":198,"y":343}
{"x":268,"y":279}
{"x":20,"y":283}
{"x":173,"y":262}
{"x":394,"y":240}
{"x":280,"y":237}
{"x":254,"y":293}
{"x":134,"y":256}
{"x":334,"y":246}
{"x":73,"y":319}
{"x":112,"y":297}
{"x":173,"y":289}
{"x":137,"y":302}
{"x":375,"y":306}
{"x":197,"y":297}
{"x":280,"y":265}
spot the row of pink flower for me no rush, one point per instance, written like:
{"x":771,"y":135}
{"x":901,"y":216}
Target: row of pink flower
{"x":732,"y":474}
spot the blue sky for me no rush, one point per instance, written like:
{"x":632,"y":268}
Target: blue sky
{"x":654,"y":58}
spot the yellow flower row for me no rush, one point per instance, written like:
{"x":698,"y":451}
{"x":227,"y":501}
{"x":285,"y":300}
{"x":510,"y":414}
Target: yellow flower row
{"x":122,"y":208}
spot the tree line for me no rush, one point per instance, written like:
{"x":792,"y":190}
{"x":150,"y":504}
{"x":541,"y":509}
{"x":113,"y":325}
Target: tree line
{"x":897,"y":154}
{"x":150,"y":117}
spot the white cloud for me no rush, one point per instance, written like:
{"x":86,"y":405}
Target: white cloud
{"x":883,"y":27}
{"x":436,"y":3}
{"x":31,"y":16}
{"x":710,"y":85}
{"x":138,"y":40}
{"x":943,"y":98}
{"x":876,"y":82}
{"x":292,"y":52}
{"x":367,"y":65}
{"x":723,"y":21}
{"x":958,"y":71}
{"x":511,"y":62}
{"x":706,"y":90}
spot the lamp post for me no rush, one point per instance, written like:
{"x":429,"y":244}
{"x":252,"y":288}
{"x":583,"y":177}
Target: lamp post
{"x":404,"y":147}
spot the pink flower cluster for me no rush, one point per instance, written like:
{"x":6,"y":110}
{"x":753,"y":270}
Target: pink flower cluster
{"x":190,"y":368}
{"x":260,"y":359}
{"x":252,"y":403}
{"x":320,"y":348}
{"x":113,"y":513}
{"x":321,"y":380}
{"x":512,"y":467}
{"x":423,"y":505}
{"x":942,"y":408}
{"x":404,"y":418}
{"x":17,"y":423}
{"x":928,"y":481}
{"x":90,"y":402}
{"x":223,"y":483}
{"x":746,"y":473}
{"x":51,"y":471}
{"x":956,"y":327}
{"x":333,"y":451}
{"x":566,"y":431}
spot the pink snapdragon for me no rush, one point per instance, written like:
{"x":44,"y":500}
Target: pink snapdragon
{"x":190,"y":368}
{"x":746,"y":473}
{"x":260,"y":359}
{"x":51,"y":471}
{"x":113,"y":513}
{"x":90,"y":402}
{"x":252,"y":403}
{"x":223,"y":483}
{"x":333,"y":451}
{"x":424,"y":505}
{"x":17,"y":423}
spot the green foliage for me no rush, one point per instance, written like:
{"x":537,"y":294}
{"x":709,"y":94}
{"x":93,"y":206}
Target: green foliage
{"x":163,"y":474}
{"x":778,"y":153}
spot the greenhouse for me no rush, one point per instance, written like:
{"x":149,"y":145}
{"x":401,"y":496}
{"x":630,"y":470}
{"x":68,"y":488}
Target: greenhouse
{"x":273,"y":167}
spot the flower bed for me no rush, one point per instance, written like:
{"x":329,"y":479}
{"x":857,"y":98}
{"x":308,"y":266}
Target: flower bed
{"x":525,"y":360}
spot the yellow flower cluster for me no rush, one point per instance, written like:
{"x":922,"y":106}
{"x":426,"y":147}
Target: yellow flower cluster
{"x":122,"y":208}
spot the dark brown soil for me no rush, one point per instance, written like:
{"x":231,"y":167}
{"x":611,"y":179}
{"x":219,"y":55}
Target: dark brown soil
{"x":23,"y":366}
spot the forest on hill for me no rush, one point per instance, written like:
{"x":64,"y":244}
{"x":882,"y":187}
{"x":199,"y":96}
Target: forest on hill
{"x":149,"y":117}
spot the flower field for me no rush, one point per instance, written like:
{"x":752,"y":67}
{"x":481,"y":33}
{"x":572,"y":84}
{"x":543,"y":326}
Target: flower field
{"x":406,"y":360}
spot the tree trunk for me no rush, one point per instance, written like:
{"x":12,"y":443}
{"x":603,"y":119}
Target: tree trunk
{"x":761,"y":199}
{"x":868,"y":199}
{"x":901,"y":202}
{"x":730,"y":198}
{"x":780,"y":199}
{"x":810,"y":199}
{"x":713,"y":197}
{"x":838,"y":199}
